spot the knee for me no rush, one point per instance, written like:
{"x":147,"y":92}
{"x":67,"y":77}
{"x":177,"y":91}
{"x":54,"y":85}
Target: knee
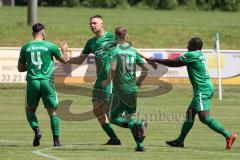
{"x":205,"y":119}
{"x":98,"y":107}
{"x":30,"y":110}
{"x":98,"y":112}
{"x":52,"y":111}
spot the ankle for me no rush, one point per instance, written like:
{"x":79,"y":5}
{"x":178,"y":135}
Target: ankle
{"x":55,"y":137}
{"x":36,"y":130}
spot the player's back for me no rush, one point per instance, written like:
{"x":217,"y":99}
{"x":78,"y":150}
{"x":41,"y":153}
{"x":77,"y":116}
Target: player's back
{"x":126,"y":59}
{"x":38,"y":55}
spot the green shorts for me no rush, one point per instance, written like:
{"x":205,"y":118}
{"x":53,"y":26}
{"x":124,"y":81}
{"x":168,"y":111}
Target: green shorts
{"x":101,"y":94}
{"x":119,"y":104}
{"x":41,"y":88}
{"x":201,"y":102}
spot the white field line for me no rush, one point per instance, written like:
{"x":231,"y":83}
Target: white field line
{"x":36,"y":152}
{"x":39,"y":153}
{"x":11,"y":141}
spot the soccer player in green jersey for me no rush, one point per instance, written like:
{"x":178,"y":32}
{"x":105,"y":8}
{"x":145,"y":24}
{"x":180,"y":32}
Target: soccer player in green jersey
{"x":122,"y":73}
{"x":36,"y":57}
{"x":203,"y":89}
{"x":98,"y":45}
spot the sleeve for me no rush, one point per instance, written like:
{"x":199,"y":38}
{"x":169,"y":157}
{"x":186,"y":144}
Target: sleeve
{"x":188,"y":57}
{"x":113,"y":38}
{"x":87,"y":49}
{"x":110,"y":45}
{"x":22,"y":58}
{"x":113,"y":56}
{"x":55,"y":51}
{"x":139,"y":59}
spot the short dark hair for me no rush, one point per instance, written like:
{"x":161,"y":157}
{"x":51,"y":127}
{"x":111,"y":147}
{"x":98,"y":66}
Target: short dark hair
{"x":195,"y":43}
{"x":96,"y":16}
{"x":121,"y":32}
{"x":37,"y":27}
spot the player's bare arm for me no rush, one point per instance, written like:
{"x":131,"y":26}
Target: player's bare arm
{"x":78,"y":60}
{"x":143,"y":74}
{"x":153,"y":64}
{"x":21,"y":67}
{"x":167,"y":62}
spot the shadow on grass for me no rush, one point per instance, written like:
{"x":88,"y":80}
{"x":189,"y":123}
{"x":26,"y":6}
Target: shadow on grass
{"x":9,"y":145}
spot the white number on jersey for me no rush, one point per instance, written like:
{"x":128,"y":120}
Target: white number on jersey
{"x":37,"y":62}
{"x":128,"y":64}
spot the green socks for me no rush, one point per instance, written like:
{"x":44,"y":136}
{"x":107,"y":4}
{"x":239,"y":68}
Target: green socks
{"x":185,"y":129}
{"x":216,"y":126}
{"x":131,"y":124}
{"x":120,"y":121}
{"x":32,"y":119}
{"x":140,"y":145}
{"x":210,"y":122}
{"x":109,"y":130}
{"x":55,"y":125}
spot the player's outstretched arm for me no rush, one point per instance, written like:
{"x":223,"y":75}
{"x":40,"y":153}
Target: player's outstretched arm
{"x":143,"y":74}
{"x":78,"y":60}
{"x":168,"y":62}
{"x":153,"y":64}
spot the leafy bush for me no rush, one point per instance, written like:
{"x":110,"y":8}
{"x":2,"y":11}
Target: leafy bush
{"x":168,"y":4}
{"x":70,"y":3}
{"x":102,"y":3}
{"x":228,"y":5}
{"x":225,"y":5}
{"x":206,"y":4}
{"x":162,"y":4}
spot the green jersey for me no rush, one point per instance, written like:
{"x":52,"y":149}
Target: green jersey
{"x":126,"y":58}
{"x":98,"y":46}
{"x":38,"y":57}
{"x":197,"y":72}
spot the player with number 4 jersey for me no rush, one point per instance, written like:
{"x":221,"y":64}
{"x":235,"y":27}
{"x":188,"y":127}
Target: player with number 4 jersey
{"x":36,"y":57}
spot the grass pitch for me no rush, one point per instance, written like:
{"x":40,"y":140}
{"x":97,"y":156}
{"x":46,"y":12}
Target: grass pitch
{"x":147,"y":28}
{"x":84,"y":139}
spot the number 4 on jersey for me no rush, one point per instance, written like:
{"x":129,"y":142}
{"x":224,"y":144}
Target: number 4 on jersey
{"x":37,"y":62}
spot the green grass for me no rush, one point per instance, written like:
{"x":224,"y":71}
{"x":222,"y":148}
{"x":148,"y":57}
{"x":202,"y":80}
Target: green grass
{"x":148,"y":28}
{"x":83,"y":139}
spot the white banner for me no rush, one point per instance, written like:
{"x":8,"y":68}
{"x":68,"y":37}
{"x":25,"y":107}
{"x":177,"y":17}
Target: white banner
{"x":230,"y":64}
